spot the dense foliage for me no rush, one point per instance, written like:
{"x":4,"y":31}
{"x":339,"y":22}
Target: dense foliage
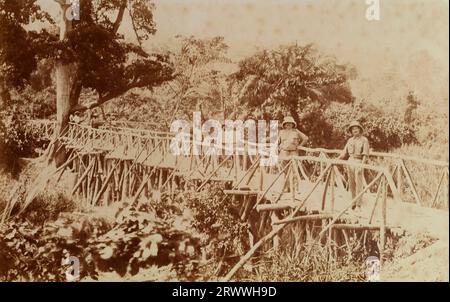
{"x":384,"y":131}
{"x":195,"y":236}
{"x":17,"y":140}
{"x":283,"y":81}
{"x":225,"y":235}
{"x":138,"y":238}
{"x":88,"y":53}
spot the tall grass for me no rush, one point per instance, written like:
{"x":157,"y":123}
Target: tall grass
{"x":309,"y":265}
{"x":46,"y":205}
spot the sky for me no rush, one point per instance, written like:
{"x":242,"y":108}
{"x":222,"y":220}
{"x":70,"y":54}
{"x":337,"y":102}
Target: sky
{"x":409,"y":32}
{"x":337,"y":26}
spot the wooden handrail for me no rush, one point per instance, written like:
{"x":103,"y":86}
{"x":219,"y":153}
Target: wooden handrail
{"x":169,"y":135}
{"x":382,"y":154}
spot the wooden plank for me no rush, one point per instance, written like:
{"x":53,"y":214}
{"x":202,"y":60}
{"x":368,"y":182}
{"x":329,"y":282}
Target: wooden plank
{"x":304,"y":218}
{"x":368,"y":227}
{"x":274,"y":206}
{"x":241,"y":192}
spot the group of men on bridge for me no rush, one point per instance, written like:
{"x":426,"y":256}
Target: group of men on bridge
{"x":355,"y":150}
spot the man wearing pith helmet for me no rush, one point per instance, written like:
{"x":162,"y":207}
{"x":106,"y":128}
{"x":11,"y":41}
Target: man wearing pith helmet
{"x":290,"y":138}
{"x":356,"y":150}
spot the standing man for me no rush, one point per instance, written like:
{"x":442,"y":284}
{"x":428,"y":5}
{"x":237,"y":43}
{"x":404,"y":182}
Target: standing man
{"x":356,"y":150}
{"x":290,"y":139}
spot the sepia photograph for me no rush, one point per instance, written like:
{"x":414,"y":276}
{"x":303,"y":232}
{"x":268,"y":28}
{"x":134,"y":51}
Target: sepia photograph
{"x":225,"y":141}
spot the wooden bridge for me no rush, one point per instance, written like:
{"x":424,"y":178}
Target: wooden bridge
{"x":308,"y":193}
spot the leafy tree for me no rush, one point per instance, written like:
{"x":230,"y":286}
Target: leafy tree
{"x":284,"y":81}
{"x":200,"y":81}
{"x":411,"y":104}
{"x":89,"y":54}
{"x":17,"y":52}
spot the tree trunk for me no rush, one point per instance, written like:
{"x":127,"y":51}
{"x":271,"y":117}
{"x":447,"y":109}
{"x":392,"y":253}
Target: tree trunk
{"x":63,"y":88}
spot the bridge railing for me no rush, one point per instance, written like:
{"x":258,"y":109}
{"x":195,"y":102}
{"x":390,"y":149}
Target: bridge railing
{"x":420,"y":180}
{"x":45,"y":128}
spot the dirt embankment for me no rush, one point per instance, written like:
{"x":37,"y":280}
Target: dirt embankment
{"x":428,"y":264}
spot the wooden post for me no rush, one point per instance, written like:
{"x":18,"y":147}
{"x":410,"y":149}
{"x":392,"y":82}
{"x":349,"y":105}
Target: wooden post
{"x":105,"y":183}
{"x":411,"y":183}
{"x":329,"y":242}
{"x":261,"y":178}
{"x":436,"y":195}
{"x":160,"y":179}
{"x":339,"y":178}
{"x":149,"y":181}
{"x":89,"y":177}
{"x":347,"y":244}
{"x":447,"y":188}
{"x":124,"y":180}
{"x":332,"y":181}
{"x":383,"y":221}
{"x":77,"y":172}
{"x":302,"y":171}
{"x":291,"y":181}
{"x":377,"y":197}
{"x":399,"y":179}
{"x":324,"y":192}
{"x":132,"y":176}
{"x":139,"y":190}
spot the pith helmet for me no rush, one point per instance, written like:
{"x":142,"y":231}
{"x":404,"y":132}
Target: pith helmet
{"x":354,"y":124}
{"x":289,"y":119}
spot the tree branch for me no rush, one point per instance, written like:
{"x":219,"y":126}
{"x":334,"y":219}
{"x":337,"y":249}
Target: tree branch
{"x":134,"y":27}
{"x":81,"y":108}
{"x":105,"y":98}
{"x":119,"y":18}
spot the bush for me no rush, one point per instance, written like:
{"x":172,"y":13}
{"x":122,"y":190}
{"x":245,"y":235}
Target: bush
{"x":137,"y":239}
{"x":17,"y":140}
{"x":47,"y":206}
{"x":225,"y":234}
{"x":385,"y":132}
